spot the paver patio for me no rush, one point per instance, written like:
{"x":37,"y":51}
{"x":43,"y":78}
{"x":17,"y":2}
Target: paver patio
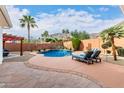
{"x":107,"y":74}
{"x":18,"y":75}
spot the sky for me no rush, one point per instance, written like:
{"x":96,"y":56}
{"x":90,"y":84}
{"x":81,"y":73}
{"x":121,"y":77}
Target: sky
{"x":54,"y":18}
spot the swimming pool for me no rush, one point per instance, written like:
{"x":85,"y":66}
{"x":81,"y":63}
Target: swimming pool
{"x":57,"y":53}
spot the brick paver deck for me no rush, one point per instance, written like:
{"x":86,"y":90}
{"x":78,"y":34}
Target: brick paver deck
{"x":107,"y":74}
{"x":17,"y":75}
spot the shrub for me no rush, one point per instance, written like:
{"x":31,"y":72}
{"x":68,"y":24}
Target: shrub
{"x":108,"y":52}
{"x":48,"y":39}
{"x":59,"y":40}
{"x":120,"y":52}
{"x":53,"y":40}
{"x":117,"y":47}
{"x":106,"y":45}
{"x":76,"y":43}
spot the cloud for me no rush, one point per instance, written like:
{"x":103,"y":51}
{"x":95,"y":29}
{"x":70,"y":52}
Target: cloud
{"x":103,"y":9}
{"x":15,"y":14}
{"x":64,"y":19}
{"x":25,"y":11}
{"x":73,"y":19}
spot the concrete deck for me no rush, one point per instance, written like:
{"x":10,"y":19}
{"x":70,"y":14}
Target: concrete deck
{"x":105,"y":74}
{"x":17,"y":75}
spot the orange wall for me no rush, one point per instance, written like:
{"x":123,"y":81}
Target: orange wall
{"x":94,"y":43}
{"x":90,"y":43}
{"x":68,"y":45}
{"x":85,"y":45}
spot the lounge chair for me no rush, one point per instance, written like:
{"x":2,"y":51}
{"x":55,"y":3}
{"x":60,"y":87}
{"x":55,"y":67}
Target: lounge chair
{"x":89,"y":57}
{"x":93,"y":50}
{"x":83,"y":57}
{"x":95,"y":56}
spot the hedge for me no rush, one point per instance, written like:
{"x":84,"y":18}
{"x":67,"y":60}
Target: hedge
{"x":76,"y":43}
{"x":120,"y":52}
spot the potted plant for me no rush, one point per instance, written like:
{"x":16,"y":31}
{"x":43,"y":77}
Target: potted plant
{"x":108,"y":51}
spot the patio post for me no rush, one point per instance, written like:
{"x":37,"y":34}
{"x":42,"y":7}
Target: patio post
{"x":21,"y":47}
{"x":1,"y":46}
{"x":4,"y":44}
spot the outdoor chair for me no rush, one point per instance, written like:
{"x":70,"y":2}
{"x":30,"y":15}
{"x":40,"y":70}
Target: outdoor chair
{"x":83,"y":57}
{"x":95,"y":56}
{"x":89,"y":57}
{"x":93,"y":50}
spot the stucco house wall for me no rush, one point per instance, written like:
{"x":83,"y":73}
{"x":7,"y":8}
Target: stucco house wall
{"x":4,"y":23}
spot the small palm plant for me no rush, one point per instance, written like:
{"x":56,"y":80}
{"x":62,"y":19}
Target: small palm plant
{"x":110,"y":34}
{"x":28,"y":21}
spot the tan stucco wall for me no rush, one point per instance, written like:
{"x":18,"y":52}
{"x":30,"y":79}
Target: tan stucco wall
{"x":93,"y":43}
{"x":68,"y":45}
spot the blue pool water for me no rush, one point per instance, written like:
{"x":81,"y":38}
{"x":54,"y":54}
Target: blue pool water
{"x":57,"y":53}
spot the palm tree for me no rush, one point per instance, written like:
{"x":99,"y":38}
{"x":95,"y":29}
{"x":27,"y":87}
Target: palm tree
{"x":28,"y":21}
{"x":67,"y":31}
{"x":110,"y":34}
{"x":63,"y":31}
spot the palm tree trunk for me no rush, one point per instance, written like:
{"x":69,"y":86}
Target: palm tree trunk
{"x":28,"y":33}
{"x":113,"y":49}
{"x":29,"y":41}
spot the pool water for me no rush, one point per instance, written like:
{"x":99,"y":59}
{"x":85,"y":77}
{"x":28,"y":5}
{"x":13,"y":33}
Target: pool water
{"x":57,"y":53}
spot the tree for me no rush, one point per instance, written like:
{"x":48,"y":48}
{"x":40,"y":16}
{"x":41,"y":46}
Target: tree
{"x":110,"y":34}
{"x":81,"y":35}
{"x":28,"y":21}
{"x":65,"y":31}
{"x":84,"y":35}
{"x":45,"y":34}
{"x":75,"y":34}
{"x":53,"y":40}
{"x":76,"y":43}
{"x":77,"y":37}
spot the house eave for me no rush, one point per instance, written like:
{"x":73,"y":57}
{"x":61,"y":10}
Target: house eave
{"x":6,"y":17}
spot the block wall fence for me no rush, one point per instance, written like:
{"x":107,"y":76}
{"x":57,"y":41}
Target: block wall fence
{"x":85,"y":45}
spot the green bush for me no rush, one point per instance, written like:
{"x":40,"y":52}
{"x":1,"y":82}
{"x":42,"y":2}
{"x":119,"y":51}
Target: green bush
{"x":108,"y":52}
{"x":76,"y":43}
{"x":48,"y":39}
{"x":117,"y":47}
{"x":106,"y":45}
{"x":59,"y":40}
{"x":120,"y":52}
{"x":53,"y":40}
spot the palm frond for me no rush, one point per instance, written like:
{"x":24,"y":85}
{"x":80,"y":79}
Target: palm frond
{"x":22,"y":25}
{"x":115,"y":31}
{"x":28,"y":20}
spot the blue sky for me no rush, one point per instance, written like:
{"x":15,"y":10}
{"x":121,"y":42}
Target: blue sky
{"x":54,"y":18}
{"x":110,"y":12}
